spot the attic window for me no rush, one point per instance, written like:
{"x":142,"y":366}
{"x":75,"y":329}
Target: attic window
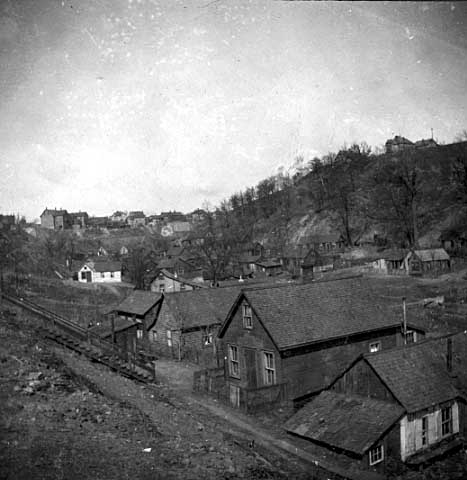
{"x":376,"y":454}
{"x":207,"y":339}
{"x":375,"y":347}
{"x":247,"y":317}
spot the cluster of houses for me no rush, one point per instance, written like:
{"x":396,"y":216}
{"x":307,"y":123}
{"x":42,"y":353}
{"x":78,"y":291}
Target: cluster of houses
{"x":366,"y":382}
{"x":167,"y":223}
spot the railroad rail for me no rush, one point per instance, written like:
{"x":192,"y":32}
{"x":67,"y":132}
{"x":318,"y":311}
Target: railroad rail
{"x":71,"y":335}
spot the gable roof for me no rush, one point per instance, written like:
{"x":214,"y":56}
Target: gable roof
{"x":103,"y":265}
{"x":268,"y":263}
{"x":196,"y":308}
{"x":417,"y":374}
{"x":350,"y":423}
{"x":296,"y":315}
{"x":171,"y":276}
{"x":138,"y":302}
{"x":54,"y":212}
{"x":105,"y":329}
{"x":432,"y":254}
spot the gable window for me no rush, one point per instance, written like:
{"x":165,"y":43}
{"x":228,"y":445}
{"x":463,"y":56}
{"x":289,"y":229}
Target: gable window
{"x":375,"y":347}
{"x":410,"y":336}
{"x":376,"y":454}
{"x":424,"y":431}
{"x":269,"y":368}
{"x":446,"y":421}
{"x":247,"y":318}
{"x":233,"y":361}
{"x":169,"y":338}
{"x":207,"y":339}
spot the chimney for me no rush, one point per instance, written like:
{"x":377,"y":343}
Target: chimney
{"x":449,"y":355}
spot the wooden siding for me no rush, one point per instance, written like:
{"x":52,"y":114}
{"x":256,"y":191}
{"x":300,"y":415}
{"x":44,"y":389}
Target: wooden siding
{"x":314,"y":370}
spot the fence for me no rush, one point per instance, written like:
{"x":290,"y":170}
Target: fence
{"x":58,"y":323}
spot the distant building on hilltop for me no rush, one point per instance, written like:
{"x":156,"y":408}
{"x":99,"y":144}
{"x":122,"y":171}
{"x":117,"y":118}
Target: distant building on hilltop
{"x":398,"y":144}
{"x":55,"y":219}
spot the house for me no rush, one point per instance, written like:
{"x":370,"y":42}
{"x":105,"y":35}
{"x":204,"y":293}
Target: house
{"x":141,"y":307}
{"x":188,"y":323}
{"x":198,"y":215}
{"x":398,"y":144}
{"x":315,"y":263}
{"x":425,"y":143}
{"x":7,"y":222}
{"x":269,"y":268}
{"x":288,"y":342}
{"x":79,"y":219}
{"x":136,"y":219}
{"x":453,"y":240}
{"x":405,"y":405}
{"x":98,"y":222}
{"x":390,"y":261}
{"x":167,"y":282}
{"x":325,"y":242}
{"x":292,"y":258}
{"x":118,"y":216}
{"x":123,"y":333}
{"x":434,"y":260}
{"x":55,"y":219}
{"x":97,"y":271}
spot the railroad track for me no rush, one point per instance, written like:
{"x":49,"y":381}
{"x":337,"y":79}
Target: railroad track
{"x":78,"y":339}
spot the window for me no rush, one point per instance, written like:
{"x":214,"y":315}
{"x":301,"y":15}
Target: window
{"x":83,"y":275}
{"x":182,"y":286}
{"x":112,"y":274}
{"x":154,"y":335}
{"x":375,"y":347}
{"x":376,"y":454}
{"x":102,"y":274}
{"x":410,"y":336}
{"x":247,"y":319}
{"x":446,"y":421}
{"x":425,"y":431}
{"x":139,"y":333}
{"x":233,"y":361}
{"x":169,"y":338}
{"x":269,"y":368}
{"x":207,"y":339}
{"x":161,"y":288}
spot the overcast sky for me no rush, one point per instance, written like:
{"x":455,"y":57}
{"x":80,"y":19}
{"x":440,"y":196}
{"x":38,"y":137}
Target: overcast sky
{"x":157,"y":105}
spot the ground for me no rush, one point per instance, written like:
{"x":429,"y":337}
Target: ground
{"x":65,"y":417}
{"x":57,"y":423}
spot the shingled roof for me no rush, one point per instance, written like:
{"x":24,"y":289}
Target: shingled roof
{"x":139,"y":302}
{"x":417,"y":374}
{"x":296,"y":315}
{"x":432,"y":254}
{"x":204,"y":307}
{"x":350,"y":423}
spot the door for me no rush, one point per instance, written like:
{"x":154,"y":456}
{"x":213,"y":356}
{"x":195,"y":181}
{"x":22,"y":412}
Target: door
{"x":250,"y":365}
{"x":88,"y":277}
{"x":235,"y":396}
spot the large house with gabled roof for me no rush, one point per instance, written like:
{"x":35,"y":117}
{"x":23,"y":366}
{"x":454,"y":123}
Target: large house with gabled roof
{"x":405,"y":405}
{"x":188,"y":323}
{"x":289,"y":342}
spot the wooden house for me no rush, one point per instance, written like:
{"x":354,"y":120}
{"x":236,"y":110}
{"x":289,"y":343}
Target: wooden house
{"x":167,"y":282}
{"x":453,"y":240}
{"x":390,"y":261}
{"x":100,"y":271}
{"x":142,"y":308}
{"x":188,"y":323}
{"x":123,"y":333}
{"x":314,"y":262}
{"x":136,"y":219}
{"x":330,"y":242}
{"x":269,"y":268}
{"x":79,"y":219}
{"x":434,"y":260}
{"x":405,"y":405}
{"x":288,"y":342}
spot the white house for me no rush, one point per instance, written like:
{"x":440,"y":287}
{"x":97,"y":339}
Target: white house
{"x":106,"y":271}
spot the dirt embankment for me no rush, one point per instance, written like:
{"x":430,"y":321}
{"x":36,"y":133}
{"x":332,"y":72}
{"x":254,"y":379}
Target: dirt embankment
{"x":56,"y":425}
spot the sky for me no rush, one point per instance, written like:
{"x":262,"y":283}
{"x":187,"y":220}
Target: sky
{"x":158,"y":105}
